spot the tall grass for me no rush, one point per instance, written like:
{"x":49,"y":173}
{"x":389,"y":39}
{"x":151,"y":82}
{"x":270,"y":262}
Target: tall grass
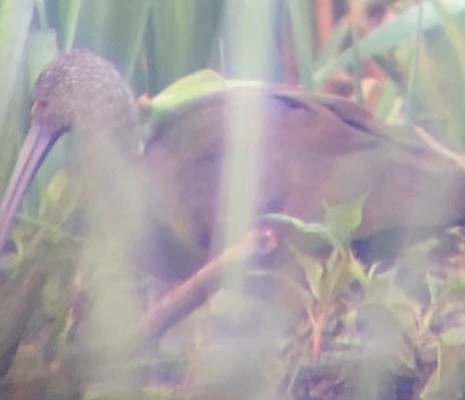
{"x":418,"y":59}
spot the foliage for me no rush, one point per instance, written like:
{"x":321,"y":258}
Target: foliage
{"x":395,"y":325}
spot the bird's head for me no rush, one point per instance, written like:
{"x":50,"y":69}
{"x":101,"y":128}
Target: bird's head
{"x":79,"y":92}
{"x":84,"y":92}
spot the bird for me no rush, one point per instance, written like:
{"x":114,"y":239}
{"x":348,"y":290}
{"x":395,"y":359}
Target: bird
{"x":317,"y":150}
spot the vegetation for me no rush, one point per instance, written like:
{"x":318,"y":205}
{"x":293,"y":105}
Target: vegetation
{"x":340,"y":325}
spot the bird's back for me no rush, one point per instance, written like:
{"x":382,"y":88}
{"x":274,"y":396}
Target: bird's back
{"x":316,"y":150}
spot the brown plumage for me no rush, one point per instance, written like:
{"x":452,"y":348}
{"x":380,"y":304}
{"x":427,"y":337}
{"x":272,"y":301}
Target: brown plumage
{"x":317,"y":149}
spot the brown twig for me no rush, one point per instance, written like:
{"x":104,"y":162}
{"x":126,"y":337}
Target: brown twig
{"x":192,"y":293}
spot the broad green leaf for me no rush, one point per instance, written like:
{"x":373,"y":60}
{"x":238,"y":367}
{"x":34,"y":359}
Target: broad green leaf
{"x":192,"y":88}
{"x":343,"y":219}
{"x":185,"y":90}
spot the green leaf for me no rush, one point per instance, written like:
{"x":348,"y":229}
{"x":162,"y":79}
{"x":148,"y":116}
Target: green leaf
{"x":454,"y":336}
{"x":186,"y":90}
{"x":358,"y":271}
{"x":337,"y":276}
{"x":343,"y":219}
{"x":300,"y":13}
{"x":114,"y":28}
{"x":313,"y":270}
{"x":59,"y":200}
{"x":181,"y":36}
{"x":318,"y":230}
{"x":54,"y":191}
{"x":192,"y":88}
{"x":391,"y":34}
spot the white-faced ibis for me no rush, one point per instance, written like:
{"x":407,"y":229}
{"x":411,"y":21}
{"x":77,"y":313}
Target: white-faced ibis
{"x":317,"y":150}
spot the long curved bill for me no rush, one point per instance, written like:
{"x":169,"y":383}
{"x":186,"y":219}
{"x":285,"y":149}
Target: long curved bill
{"x":39,"y":141}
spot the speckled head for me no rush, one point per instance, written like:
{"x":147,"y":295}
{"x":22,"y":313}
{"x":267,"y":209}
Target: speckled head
{"x":79,"y":92}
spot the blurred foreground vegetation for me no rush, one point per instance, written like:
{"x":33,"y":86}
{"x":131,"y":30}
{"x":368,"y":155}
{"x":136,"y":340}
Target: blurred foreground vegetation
{"x":403,"y":60}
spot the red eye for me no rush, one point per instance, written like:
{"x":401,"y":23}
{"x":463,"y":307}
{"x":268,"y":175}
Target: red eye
{"x":39,"y":106}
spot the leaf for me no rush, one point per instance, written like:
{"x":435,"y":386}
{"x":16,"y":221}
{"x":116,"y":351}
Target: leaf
{"x":358,"y":271}
{"x":113,"y":28}
{"x":15,"y":20}
{"x":337,"y":276}
{"x":447,"y":381}
{"x":59,"y":200}
{"x":181,"y":37}
{"x":300,"y":12}
{"x":454,"y":289}
{"x":313,"y":270}
{"x":454,"y":336}
{"x":434,"y":285}
{"x":185,"y":90}
{"x":54,"y":191}
{"x":343,"y":219}
{"x":388,"y":35}
{"x":318,"y":230}
{"x":190,"y":89}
